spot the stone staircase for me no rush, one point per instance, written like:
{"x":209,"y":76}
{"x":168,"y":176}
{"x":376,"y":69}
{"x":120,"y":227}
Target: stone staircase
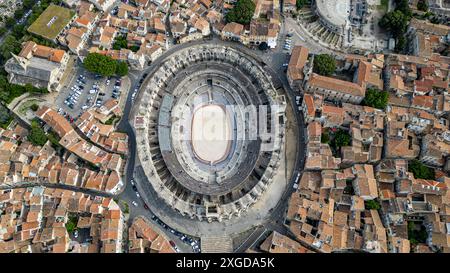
{"x":216,"y":244}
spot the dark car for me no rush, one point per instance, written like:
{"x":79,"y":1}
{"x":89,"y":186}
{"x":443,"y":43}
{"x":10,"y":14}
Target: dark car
{"x":134,"y":188}
{"x":172,"y":243}
{"x":146,"y":207}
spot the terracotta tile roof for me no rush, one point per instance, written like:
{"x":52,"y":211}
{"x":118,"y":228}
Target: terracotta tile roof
{"x":337,"y":85}
{"x":30,"y":48}
{"x":297,"y":62}
{"x":234,"y":28}
{"x":55,"y":120}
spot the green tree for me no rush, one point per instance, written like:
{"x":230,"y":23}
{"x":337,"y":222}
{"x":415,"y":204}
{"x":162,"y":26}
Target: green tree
{"x":34,"y":107}
{"x":28,"y":4}
{"x":10,"y":22}
{"x":134,"y":48}
{"x":242,"y":12}
{"x":394,"y":22}
{"x":403,"y":7}
{"x":71,"y":224}
{"x":400,"y":46}
{"x":420,"y":171}
{"x":10,"y":45}
{"x":416,"y":235}
{"x":3,"y":30}
{"x":37,"y":135}
{"x":376,"y":98}
{"x":300,"y":3}
{"x":372,"y":204}
{"x":19,"y":13}
{"x":324,"y":64}
{"x":422,"y":5}
{"x":5,"y":117}
{"x":100,"y":64}
{"x":121,"y":69}
{"x":342,"y":138}
{"x":325,"y":137}
{"x":120,"y":42}
{"x":18,"y":31}
{"x":54,"y":139}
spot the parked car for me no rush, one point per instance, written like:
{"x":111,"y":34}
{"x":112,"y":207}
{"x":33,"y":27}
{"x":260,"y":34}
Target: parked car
{"x":134,"y":203}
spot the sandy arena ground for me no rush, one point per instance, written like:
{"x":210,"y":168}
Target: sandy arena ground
{"x":211,"y":133}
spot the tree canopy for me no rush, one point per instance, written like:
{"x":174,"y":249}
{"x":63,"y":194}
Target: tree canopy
{"x":10,"y":91}
{"x":324,"y":64}
{"x":300,"y":3}
{"x":242,"y":12}
{"x":9,"y":45}
{"x":403,"y":7}
{"x":100,"y":64}
{"x":376,"y":98}
{"x":263,"y":46}
{"x":120,"y":42}
{"x":372,"y":204}
{"x":5,"y":117}
{"x":422,"y":5}
{"x":342,"y":138}
{"x":37,"y":135}
{"x":19,"y":13}
{"x":420,"y":171}
{"x":121,"y":69}
{"x":394,"y":22}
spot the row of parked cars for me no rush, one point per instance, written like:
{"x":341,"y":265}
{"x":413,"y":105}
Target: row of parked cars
{"x":133,"y":96}
{"x":67,"y":115}
{"x":195,"y":244}
{"x":116,"y":90}
{"x":186,"y":239}
{"x":77,"y":90}
{"x":288,"y":42}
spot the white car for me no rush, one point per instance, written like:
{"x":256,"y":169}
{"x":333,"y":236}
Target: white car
{"x":132,"y":181}
{"x":137,"y":194}
{"x":134,"y":203}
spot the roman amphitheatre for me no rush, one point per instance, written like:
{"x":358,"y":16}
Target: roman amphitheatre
{"x":196,"y":138}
